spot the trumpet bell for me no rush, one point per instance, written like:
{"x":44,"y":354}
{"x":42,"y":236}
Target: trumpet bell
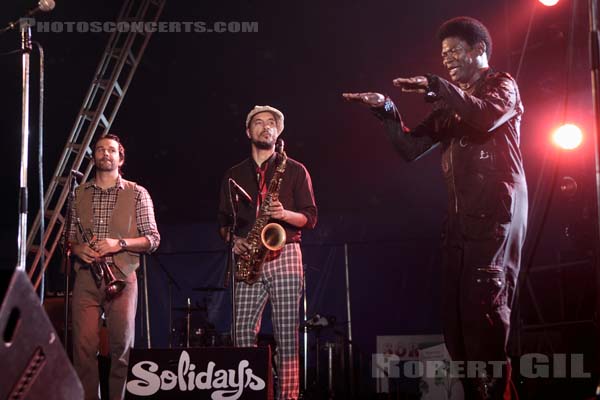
{"x":114,"y":288}
{"x":273,"y":236}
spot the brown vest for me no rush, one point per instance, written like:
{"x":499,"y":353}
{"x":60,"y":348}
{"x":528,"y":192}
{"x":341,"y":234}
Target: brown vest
{"x":122,"y":224}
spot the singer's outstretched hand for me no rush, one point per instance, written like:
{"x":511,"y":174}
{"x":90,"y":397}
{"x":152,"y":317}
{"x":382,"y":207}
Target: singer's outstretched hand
{"x":371,"y":99}
{"x":416,"y":84}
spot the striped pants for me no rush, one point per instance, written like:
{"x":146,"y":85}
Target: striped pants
{"x":281,"y":283}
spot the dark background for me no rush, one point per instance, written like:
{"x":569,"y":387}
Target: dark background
{"x":183,"y":118}
{"x":182,"y":123}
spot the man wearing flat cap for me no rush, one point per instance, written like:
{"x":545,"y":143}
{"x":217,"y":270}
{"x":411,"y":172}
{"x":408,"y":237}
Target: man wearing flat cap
{"x":281,"y":276}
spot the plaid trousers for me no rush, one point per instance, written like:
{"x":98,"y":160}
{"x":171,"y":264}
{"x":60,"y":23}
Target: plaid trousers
{"x":281,"y":283}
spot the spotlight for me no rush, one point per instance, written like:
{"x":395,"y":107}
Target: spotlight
{"x":549,"y":3}
{"x":567,"y":137}
{"x":568,"y":186}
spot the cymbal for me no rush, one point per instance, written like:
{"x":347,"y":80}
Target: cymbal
{"x":191,"y":308}
{"x":318,"y":322}
{"x":208,"y":289}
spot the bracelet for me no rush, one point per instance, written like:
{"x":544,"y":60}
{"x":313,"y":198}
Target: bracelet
{"x":388,"y":105}
{"x":433,"y":86}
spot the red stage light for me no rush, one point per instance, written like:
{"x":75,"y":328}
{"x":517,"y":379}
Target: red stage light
{"x":567,"y":137}
{"x":549,"y":3}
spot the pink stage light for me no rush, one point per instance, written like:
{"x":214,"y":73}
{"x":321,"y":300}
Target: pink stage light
{"x":549,"y":3}
{"x":567,"y":137}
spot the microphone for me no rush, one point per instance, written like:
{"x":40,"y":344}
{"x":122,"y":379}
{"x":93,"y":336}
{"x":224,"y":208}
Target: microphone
{"x":240,"y":190}
{"x":43,"y":5}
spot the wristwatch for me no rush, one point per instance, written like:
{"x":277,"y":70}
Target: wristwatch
{"x":123,"y":244}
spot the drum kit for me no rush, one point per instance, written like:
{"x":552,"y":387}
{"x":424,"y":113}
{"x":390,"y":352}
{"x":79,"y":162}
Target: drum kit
{"x":328,"y":355}
{"x":194,"y":329}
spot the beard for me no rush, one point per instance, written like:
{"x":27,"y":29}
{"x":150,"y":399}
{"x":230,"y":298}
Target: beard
{"x":105,"y":165}
{"x":263,"y":144}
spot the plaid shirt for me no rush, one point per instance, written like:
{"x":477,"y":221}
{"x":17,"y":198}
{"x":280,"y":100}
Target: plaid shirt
{"x":103,"y":203}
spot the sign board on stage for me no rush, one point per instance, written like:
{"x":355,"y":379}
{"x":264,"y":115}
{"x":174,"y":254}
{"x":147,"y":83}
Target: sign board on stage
{"x":393,"y":354}
{"x":215,"y":373}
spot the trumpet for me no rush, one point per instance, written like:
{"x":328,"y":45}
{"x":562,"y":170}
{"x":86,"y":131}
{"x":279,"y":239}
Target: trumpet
{"x":100,"y":269}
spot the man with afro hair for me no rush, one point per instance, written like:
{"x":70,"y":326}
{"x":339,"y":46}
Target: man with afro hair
{"x":475,"y":122}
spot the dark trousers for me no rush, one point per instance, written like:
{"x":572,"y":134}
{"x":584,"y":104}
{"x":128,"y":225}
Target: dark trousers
{"x":482,"y":256}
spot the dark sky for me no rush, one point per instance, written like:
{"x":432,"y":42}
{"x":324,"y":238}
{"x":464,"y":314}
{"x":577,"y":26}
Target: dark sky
{"x":182,"y":120}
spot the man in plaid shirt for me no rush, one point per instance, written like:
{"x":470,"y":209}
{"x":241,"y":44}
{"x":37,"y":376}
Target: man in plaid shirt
{"x":119,"y":214}
{"x":281,"y":277}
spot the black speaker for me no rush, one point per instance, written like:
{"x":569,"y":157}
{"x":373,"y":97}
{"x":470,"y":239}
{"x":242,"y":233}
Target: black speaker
{"x":200,"y":373}
{"x":34,"y":363}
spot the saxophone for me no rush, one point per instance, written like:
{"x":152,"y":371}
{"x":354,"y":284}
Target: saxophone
{"x":264,"y":237}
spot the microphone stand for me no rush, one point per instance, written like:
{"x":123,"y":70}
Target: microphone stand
{"x":25,"y":28}
{"x":594,"y":44}
{"x":171,"y":281}
{"x":146,"y":307}
{"x":349,"y":314}
{"x":304,"y":330}
{"x":234,"y":200}
{"x":67,"y":254}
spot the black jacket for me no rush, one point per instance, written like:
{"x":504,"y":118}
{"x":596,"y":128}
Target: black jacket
{"x":479,"y":134}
